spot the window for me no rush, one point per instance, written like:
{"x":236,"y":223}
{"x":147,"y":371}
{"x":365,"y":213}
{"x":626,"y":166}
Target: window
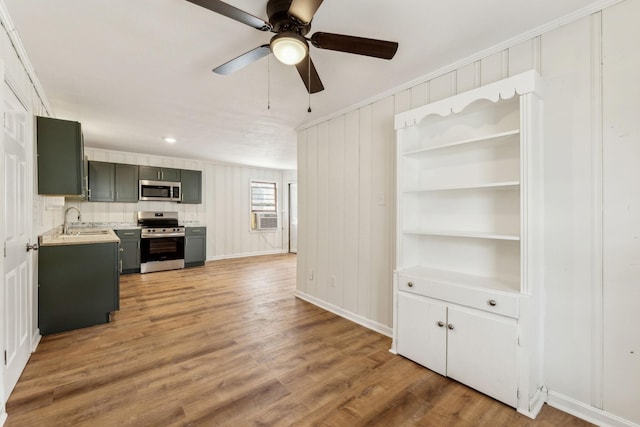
{"x":263,"y":196}
{"x":264,"y":205}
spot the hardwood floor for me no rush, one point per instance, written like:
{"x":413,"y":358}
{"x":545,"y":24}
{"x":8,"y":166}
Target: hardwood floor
{"x":229,"y":344}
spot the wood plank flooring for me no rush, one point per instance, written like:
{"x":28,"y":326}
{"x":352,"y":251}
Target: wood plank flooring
{"x":229,"y":344}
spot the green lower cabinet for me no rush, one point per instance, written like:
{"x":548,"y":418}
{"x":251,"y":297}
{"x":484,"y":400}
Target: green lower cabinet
{"x":78,"y":286}
{"x":129,"y":250}
{"x":195,"y":246}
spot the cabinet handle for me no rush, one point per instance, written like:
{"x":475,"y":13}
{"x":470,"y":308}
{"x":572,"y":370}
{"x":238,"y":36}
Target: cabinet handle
{"x":121,"y":249}
{"x":492,"y":302}
{"x":450,"y":326}
{"x":410,"y":284}
{"x":440,"y":323}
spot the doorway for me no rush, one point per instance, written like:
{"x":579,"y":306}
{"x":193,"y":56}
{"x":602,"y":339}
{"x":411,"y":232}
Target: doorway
{"x":293,"y":217}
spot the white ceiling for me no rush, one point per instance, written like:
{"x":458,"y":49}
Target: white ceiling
{"x":133,"y":72}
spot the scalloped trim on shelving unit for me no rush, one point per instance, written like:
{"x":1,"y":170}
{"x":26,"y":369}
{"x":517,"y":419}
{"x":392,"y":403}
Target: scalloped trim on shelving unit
{"x":519,"y":84}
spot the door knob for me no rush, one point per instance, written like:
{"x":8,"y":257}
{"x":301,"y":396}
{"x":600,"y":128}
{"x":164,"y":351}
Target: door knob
{"x":450,"y":326}
{"x":440,"y":323}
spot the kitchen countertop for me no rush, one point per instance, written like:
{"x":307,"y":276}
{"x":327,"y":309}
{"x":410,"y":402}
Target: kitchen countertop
{"x":192,"y":224}
{"x":78,"y":236}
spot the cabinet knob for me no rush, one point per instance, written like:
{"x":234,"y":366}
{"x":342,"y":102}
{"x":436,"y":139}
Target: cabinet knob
{"x":450,"y":326}
{"x":121,"y":249}
{"x":410,"y":284}
{"x":440,"y":323}
{"x":492,"y":302}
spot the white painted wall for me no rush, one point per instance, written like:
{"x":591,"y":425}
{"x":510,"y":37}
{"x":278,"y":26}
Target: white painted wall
{"x":346,"y":177}
{"x":621,"y":201}
{"x":224,"y":209}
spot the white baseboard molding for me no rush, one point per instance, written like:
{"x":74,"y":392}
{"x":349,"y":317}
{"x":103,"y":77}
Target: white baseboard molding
{"x":587,"y":412}
{"x":35,"y":340}
{"x":248,"y":254}
{"x":535,"y":405}
{"x":3,"y":417}
{"x":367,"y":323}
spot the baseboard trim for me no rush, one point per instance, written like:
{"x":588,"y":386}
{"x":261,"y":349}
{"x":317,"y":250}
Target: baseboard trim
{"x":35,"y":340}
{"x":3,"y":416}
{"x":367,"y":323}
{"x":535,"y":404}
{"x":586,"y":412}
{"x":245,"y":255}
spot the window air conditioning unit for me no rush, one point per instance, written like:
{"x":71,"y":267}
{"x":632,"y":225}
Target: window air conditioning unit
{"x":267,"y":221}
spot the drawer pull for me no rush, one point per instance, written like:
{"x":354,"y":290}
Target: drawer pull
{"x":450,"y":326}
{"x":440,"y":323}
{"x":492,"y":302}
{"x":410,"y":284}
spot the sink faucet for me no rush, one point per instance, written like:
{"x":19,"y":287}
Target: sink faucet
{"x":65,"y":228}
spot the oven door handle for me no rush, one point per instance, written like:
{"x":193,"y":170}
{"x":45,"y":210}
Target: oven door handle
{"x":160,"y":236}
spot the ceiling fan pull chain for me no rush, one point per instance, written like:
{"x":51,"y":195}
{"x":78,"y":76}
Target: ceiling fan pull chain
{"x":269,"y":82}
{"x":309,"y":68}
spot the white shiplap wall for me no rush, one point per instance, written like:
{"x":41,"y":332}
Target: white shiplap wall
{"x":346,"y":171}
{"x":224,"y":209}
{"x":346,"y":185}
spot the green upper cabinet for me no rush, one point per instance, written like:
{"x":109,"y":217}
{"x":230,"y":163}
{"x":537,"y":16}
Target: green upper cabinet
{"x":60,"y":157}
{"x":113,"y":182}
{"x":191,"y":186}
{"x":101,"y":182}
{"x":126,"y":183}
{"x":154,"y":173}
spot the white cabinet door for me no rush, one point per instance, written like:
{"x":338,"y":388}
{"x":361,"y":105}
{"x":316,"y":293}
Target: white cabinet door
{"x":420,"y":338}
{"x":482,"y":352}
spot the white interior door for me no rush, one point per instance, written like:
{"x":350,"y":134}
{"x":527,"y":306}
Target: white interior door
{"x":16,"y":233}
{"x":293,"y":217}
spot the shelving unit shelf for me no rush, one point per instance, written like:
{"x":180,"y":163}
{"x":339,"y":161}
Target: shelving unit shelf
{"x":468,"y":239}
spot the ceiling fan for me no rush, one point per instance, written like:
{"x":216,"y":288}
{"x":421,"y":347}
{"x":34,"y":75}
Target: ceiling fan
{"x":291,"y":21}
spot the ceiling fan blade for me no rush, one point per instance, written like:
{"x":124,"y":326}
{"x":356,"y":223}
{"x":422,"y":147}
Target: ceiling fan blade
{"x":303,"y":10}
{"x":243,"y":60}
{"x":303,"y":70}
{"x":358,"y":45}
{"x":234,"y":13}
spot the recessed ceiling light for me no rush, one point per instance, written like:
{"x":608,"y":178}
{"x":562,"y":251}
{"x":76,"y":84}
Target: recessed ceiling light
{"x":170,"y":140}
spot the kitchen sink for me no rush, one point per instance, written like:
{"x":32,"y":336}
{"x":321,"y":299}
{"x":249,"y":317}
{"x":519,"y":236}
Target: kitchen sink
{"x":88,"y":233}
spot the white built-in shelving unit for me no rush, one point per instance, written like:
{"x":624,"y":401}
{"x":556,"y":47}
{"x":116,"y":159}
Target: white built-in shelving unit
{"x":468,"y":256}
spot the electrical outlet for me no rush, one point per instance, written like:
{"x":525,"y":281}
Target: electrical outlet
{"x":333,"y":281}
{"x":311,"y":275}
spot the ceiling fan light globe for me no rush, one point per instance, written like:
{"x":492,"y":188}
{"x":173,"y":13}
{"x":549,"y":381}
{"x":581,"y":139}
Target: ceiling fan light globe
{"x":289,"y":49}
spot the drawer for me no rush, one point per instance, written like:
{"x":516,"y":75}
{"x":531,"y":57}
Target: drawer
{"x":492,"y":301}
{"x":128,"y":233}
{"x":195,"y":231}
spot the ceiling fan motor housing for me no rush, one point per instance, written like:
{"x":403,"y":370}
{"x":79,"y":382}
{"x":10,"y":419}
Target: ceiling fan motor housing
{"x":278,"y":13}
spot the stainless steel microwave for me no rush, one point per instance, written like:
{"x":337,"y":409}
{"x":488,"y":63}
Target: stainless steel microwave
{"x":160,"y":190}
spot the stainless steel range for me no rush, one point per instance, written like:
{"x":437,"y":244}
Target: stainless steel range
{"x":162,"y":243}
